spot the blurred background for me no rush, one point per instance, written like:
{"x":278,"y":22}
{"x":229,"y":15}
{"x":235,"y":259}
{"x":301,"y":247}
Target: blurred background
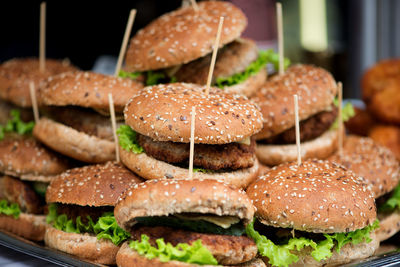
{"x":342,"y":36}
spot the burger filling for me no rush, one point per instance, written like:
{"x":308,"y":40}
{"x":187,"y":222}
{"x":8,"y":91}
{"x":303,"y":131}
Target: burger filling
{"x":390,"y":202}
{"x":16,"y":125}
{"x":281,"y":246}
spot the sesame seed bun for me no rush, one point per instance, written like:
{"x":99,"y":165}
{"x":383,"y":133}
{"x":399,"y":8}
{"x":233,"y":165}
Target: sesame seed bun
{"x":87,"y":89}
{"x":373,"y":162}
{"x":163,"y":112}
{"x":151,"y":168}
{"x":24,"y":157}
{"x":321,"y":147}
{"x":93,"y":185}
{"x":165,"y":197}
{"x":183,"y":35}
{"x":28,"y":226}
{"x":317,"y":196}
{"x":389,"y":225}
{"x":250,"y":86}
{"x":16,"y":74}
{"x":84,"y":246}
{"x":315,"y":87}
{"x":73,"y":143}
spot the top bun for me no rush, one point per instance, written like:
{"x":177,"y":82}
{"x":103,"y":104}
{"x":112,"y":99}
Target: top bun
{"x":315,"y":87}
{"x":93,"y":185}
{"x":166,"y":197}
{"x":375,"y":163}
{"x":163,"y":112}
{"x":183,"y":35}
{"x":317,"y":196}
{"x":87,"y":89}
{"x":16,"y":75}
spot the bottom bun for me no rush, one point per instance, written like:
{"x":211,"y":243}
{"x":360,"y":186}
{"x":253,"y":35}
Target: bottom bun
{"x":126,"y":257}
{"x":389,"y":225}
{"x":84,"y":246}
{"x":320,"y":148}
{"x":151,"y":168}
{"x":249,"y":86}
{"x":28,"y":226}
{"x":73,"y":143}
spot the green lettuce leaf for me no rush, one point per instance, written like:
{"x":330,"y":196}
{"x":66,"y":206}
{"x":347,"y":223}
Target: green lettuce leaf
{"x":393,"y":202}
{"x":15,"y":124}
{"x":9,"y":209}
{"x":202,"y":170}
{"x":347,"y":113}
{"x":195,"y":253}
{"x":130,"y":75}
{"x":106,"y":226}
{"x":264,"y":57}
{"x":127,"y":139}
{"x":152,"y":77}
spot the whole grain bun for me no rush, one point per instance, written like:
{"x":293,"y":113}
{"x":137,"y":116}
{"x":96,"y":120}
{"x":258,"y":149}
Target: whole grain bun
{"x":320,"y":148}
{"x":375,"y":163}
{"x":389,"y":225}
{"x":183,"y":35}
{"x":317,"y":196}
{"x":72,"y":143}
{"x":84,"y":246}
{"x":151,"y":168}
{"x":93,"y":185}
{"x":163,"y":112}
{"x":87,"y":89}
{"x":16,"y":74}
{"x":28,"y":226}
{"x":24,"y":157}
{"x":315,"y":87}
{"x":164,"y":197}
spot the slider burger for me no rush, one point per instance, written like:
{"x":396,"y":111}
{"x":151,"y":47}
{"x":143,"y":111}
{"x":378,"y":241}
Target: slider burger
{"x":379,"y":167}
{"x":316,"y":88}
{"x":71,"y":126}
{"x":185,"y":223}
{"x":315,"y":214}
{"x":81,"y":203}
{"x":155,"y":141}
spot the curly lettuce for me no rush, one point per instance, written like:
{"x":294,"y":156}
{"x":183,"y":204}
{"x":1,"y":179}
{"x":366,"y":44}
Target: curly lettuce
{"x":127,"y":139}
{"x":16,"y":125}
{"x":283,"y":256}
{"x":152,"y":77}
{"x":105,"y":227}
{"x":195,"y":253}
{"x":10,"y":209}
{"x":393,"y":202}
{"x":347,"y":113}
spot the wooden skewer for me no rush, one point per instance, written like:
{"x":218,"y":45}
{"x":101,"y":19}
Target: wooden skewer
{"x":296,"y":117}
{"x":340,"y":122}
{"x":192,"y":126}
{"x":214,"y":55}
{"x":42,"y":44}
{"x":194,"y":5}
{"x":128,"y":30}
{"x":280,"y":37}
{"x":114,"y":125}
{"x":34,"y":102}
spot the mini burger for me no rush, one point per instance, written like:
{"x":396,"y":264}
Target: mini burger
{"x":185,"y":223}
{"x":71,"y":126}
{"x":81,"y":203}
{"x":379,"y":167}
{"x":315,"y":214}
{"x":156,"y":138}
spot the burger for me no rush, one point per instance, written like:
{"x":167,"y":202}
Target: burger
{"x":185,"y":223}
{"x":178,"y":45}
{"x":313,"y":214}
{"x":81,"y":203}
{"x":75,"y":104}
{"x":379,"y":167}
{"x":316,"y":89}
{"x":155,"y":140}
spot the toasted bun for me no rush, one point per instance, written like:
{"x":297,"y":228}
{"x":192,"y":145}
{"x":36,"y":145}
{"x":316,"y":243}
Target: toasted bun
{"x":28,"y":226}
{"x":151,"y":168}
{"x":87,"y":89}
{"x":16,"y":74}
{"x":164,"y":197}
{"x":315,"y":87}
{"x":72,"y":143}
{"x":389,"y":225}
{"x":320,"y":148}
{"x":183,"y":35}
{"x":93,"y":185}
{"x":388,"y":136}
{"x":84,"y":246}
{"x":373,"y":162}
{"x":250,"y":86}
{"x":163,"y":112}
{"x":317,"y":196}
{"x":23,"y":156}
